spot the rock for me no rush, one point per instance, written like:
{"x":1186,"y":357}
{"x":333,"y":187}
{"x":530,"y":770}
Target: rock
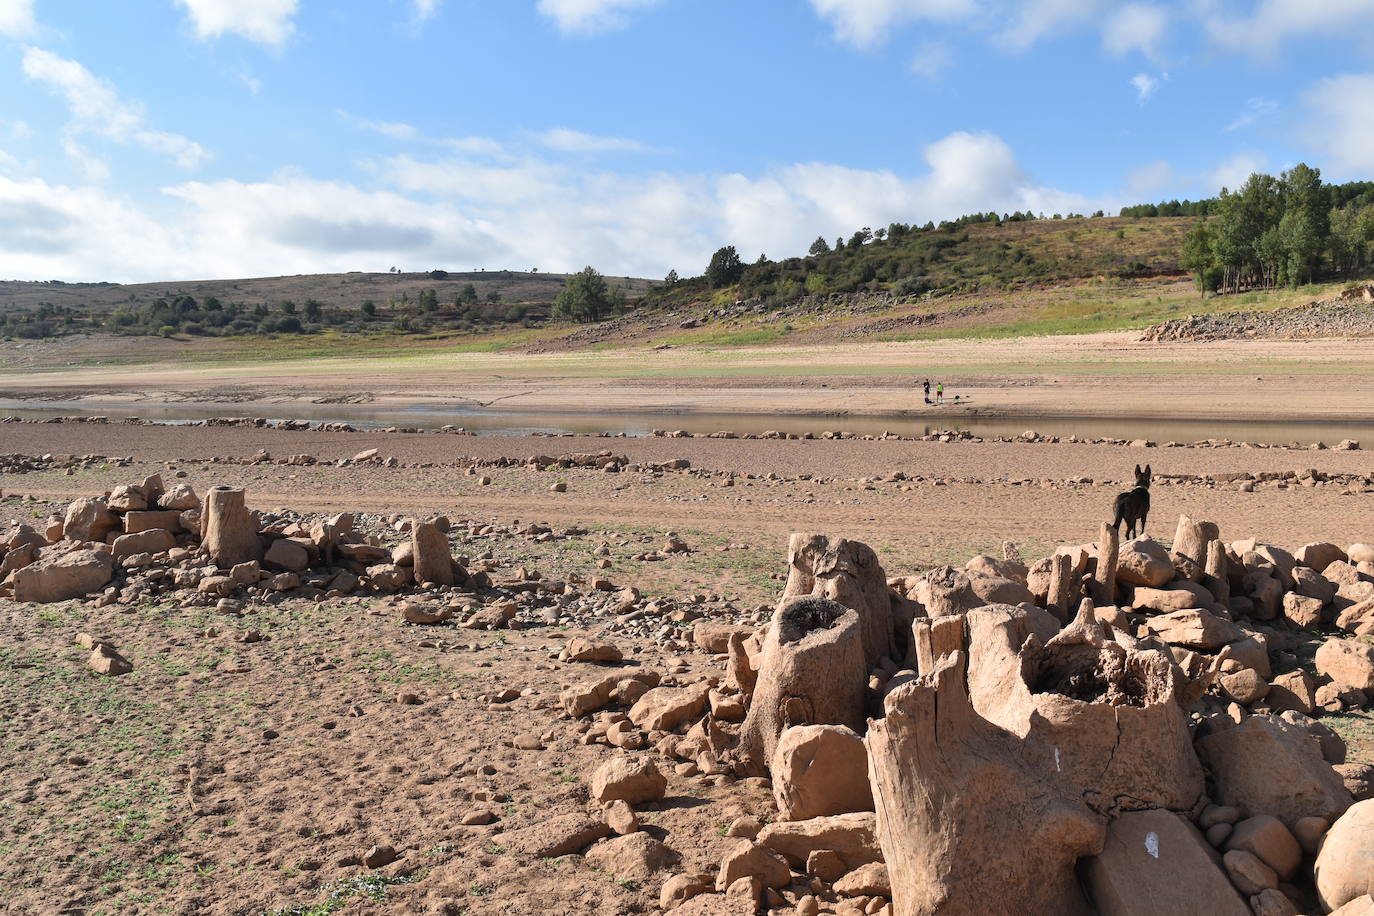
{"x":1266,"y":766}
{"x":386,"y":577}
{"x":154,"y":540}
{"x":1332,"y":745}
{"x":492,"y":617}
{"x":633,"y":780}
{"x":680,"y":888}
{"x":127,"y":499}
{"x":621,"y":817}
{"x":414,"y":612}
{"x":869,"y":880}
{"x":1248,"y":873}
{"x":432,"y":560}
{"x":745,"y":827}
{"x":1294,"y":690}
{"x":581,"y":649}
{"x":134,"y":522}
{"x":826,"y":865}
{"x":820,"y":770}
{"x":1271,"y":902}
{"x":849,"y":836}
{"x":633,"y":857}
{"x":229,"y":532}
{"x":1144,"y":562}
{"x":478,"y":817}
{"x":1252,"y":652}
{"x":1348,"y":662}
{"x":1245,"y":686}
{"x":1217,"y":834}
{"x":715,"y":637}
{"x":1266,"y":838}
{"x":999,"y":590}
{"x":1195,"y":628}
{"x":105,"y":660}
{"x":1308,"y":831}
{"x":1311,"y":584}
{"x":589,"y":696}
{"x":666,"y":708}
{"x":1360,"y":906}
{"x":88,"y":520}
{"x":1345,"y":861}
{"x":557,"y":836}
{"x":1303,"y":612}
{"x":286,"y":555}
{"x":1153,"y":863}
{"x":747,"y":859}
{"x":378,"y":856}
{"x":1319,"y":556}
{"x":1360,"y":553}
{"x":1180,"y":595}
{"x":67,"y":575}
{"x":180,"y":498}
{"x":1358,"y":779}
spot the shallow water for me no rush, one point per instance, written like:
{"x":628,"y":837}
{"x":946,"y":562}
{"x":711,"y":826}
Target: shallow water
{"x":517,"y":423}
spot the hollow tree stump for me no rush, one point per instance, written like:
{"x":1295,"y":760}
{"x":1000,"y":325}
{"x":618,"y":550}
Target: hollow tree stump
{"x":433,"y":562}
{"x":848,"y":573}
{"x":811,"y":671}
{"x":229,"y":532}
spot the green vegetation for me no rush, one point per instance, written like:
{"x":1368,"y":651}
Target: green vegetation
{"x":1282,"y":232}
{"x":588,"y":297}
{"x":341,"y":893}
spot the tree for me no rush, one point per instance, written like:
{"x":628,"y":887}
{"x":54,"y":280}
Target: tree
{"x":819,"y":247}
{"x":494,"y":297}
{"x":586,"y":297}
{"x":429,"y":301}
{"x":314,"y":310}
{"x":370,"y":309}
{"x":467,"y":295}
{"x":725,"y":268}
{"x":671,"y":280}
{"x":1306,"y":221}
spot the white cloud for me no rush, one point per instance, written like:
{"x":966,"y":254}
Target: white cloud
{"x":1135,"y":27}
{"x":1255,"y":109}
{"x":1151,"y":179}
{"x":591,"y":15}
{"x":462,"y":213}
{"x":393,"y":129}
{"x":96,"y":109}
{"x":425,"y":9}
{"x":573,"y":141}
{"x":478,"y":146}
{"x":268,"y":22}
{"x":16,"y":17}
{"x":865,"y":23}
{"x":1262,"y":30}
{"x":931,"y":59}
{"x":1234,"y":172}
{"x":1342,"y":123}
{"x":1146,"y":85}
{"x":1038,"y":19}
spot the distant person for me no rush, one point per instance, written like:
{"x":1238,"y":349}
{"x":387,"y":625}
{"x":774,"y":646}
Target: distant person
{"x":940,"y":393}
{"x":927,"y":392}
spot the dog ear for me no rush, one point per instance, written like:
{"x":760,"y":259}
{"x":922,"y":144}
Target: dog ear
{"x":1147,"y":471}
{"x":1137,"y":470}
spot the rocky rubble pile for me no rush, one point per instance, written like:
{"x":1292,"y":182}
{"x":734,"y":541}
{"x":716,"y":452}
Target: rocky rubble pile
{"x":1347,"y":315}
{"x":1116,"y":729}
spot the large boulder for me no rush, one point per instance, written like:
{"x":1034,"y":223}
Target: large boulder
{"x":849,"y":836}
{"x":1265,"y":837}
{"x":1195,"y":628}
{"x":1348,"y":662}
{"x":1178,"y":595}
{"x":1156,"y":862}
{"x":67,"y":575}
{"x":666,"y":708}
{"x":1267,"y":766}
{"x":1144,"y":562}
{"x":1318,"y":556}
{"x":747,"y":859}
{"x":820,"y":770}
{"x":1345,"y":861}
{"x":634,"y":857}
{"x":88,"y":520}
{"x":154,"y":540}
{"x":286,"y":555}
{"x":630,"y":779}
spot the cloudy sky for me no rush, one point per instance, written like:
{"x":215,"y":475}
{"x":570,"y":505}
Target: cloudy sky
{"x":182,"y":139}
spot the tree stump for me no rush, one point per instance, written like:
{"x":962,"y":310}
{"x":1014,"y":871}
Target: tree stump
{"x":1061,"y":586}
{"x":811,"y":671}
{"x":995,"y":772}
{"x":433,"y":562}
{"x":934,"y":638}
{"x":229,"y":532}
{"x":1108,"y":555}
{"x":1192,"y":537}
{"x":1217,"y":578}
{"x":848,"y":573}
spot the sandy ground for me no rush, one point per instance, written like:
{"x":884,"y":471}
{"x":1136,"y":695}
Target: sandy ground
{"x":1099,"y":375}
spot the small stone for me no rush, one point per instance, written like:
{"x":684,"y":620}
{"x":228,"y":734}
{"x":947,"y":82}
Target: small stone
{"x":378,"y":856}
{"x":621,"y":817}
{"x":478,"y":817}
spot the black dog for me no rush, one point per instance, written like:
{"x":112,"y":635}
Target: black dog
{"x":1134,"y":505}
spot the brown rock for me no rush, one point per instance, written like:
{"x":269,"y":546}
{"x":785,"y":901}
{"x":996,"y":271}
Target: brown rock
{"x":1294,"y":690}
{"x":153,"y":540}
{"x":88,"y":520}
{"x":1358,"y":779}
{"x":1308,"y":831}
{"x":581,"y":649}
{"x":1270,"y":841}
{"x":414,"y":612}
{"x":1271,"y":902}
{"x":378,"y":856}
{"x":229,"y":532}
{"x":1348,"y":662}
{"x":1301,"y":611}
{"x":1248,"y":873}
{"x":1345,"y":861}
{"x":1144,"y":562}
{"x":57,"y":578}
{"x":1195,"y":628}
{"x":621,"y":817}
{"x":134,"y":522}
{"x":825,"y":864}
{"x":666,"y":708}
{"x":850,"y":836}
{"x":589,"y":696}
{"x":433,"y":562}
{"x":105,"y":660}
{"x":715,"y":637}
{"x":747,"y":859}
{"x":631,"y":779}
{"x":634,"y":857}
{"x":680,"y":888}
{"x":286,"y":555}
{"x":1245,"y":686}
{"x":820,"y":770}
{"x":869,"y":880}
{"x":557,"y":836}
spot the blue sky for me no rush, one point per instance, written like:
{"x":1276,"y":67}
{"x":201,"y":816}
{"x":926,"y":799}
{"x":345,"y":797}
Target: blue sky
{"x":183,"y":139}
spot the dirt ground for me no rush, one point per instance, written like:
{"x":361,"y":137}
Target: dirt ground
{"x":233,"y":776}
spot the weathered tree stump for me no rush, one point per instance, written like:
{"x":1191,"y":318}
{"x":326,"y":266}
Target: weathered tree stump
{"x":229,"y":532}
{"x":995,"y":772}
{"x":1108,"y":555}
{"x":811,"y":671}
{"x":1217,"y":579}
{"x":1061,"y":586}
{"x":934,"y":638}
{"x":433,"y":561}
{"x":848,"y":573}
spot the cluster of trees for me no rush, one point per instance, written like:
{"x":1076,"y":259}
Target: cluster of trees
{"x":1282,"y":231}
{"x":588,"y":297}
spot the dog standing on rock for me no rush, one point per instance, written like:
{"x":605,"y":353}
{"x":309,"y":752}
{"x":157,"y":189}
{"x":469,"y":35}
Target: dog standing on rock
{"x":1134,"y":505}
